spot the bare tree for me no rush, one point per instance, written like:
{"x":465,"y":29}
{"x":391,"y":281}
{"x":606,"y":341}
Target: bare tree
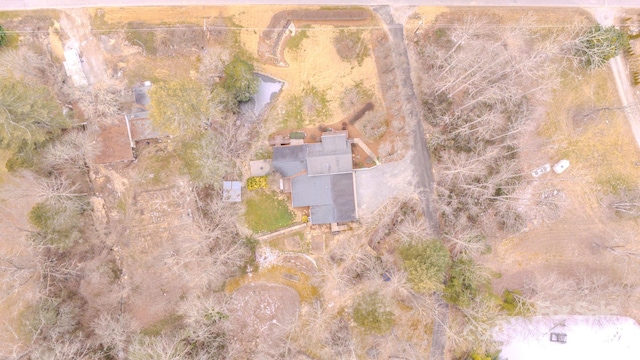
{"x":58,"y":190}
{"x":163,"y":347}
{"x":477,"y":85}
{"x":581,"y":292}
{"x":73,"y":151}
{"x":114,"y":333}
{"x":204,"y":319}
{"x":212,"y":63}
{"x":63,"y":347}
{"x":103,"y":104}
{"x":213,"y":252}
{"x":374,"y":124}
{"x":471,"y":328}
{"x":30,"y":66}
{"x":593,"y":46}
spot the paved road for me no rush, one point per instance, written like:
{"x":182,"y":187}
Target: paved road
{"x":43,"y":4}
{"x":420,"y":154}
{"x":420,"y":159}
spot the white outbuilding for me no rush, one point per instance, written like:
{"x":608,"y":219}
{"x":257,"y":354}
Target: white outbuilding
{"x":561,"y":166}
{"x":569,"y":337}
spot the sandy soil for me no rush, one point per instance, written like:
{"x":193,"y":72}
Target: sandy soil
{"x":76,"y":23}
{"x":259,"y":309}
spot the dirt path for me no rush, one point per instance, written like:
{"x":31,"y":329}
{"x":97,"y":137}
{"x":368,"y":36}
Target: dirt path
{"x":407,"y":97}
{"x":627,"y":96}
{"x":77,"y":24}
{"x":420,"y":158}
{"x":606,"y":17}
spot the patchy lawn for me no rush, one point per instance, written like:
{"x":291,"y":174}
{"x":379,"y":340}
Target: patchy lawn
{"x":267,"y":212}
{"x":278,"y":274}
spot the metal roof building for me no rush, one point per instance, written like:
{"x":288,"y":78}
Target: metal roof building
{"x":231,"y":191}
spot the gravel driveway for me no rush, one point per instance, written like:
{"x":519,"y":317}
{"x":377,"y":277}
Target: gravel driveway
{"x":375,"y":186}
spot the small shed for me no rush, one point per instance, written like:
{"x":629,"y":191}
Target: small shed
{"x":561,"y":166}
{"x":141,"y":128}
{"x":231,"y":191}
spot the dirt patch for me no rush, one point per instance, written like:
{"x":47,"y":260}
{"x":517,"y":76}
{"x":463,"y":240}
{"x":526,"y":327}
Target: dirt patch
{"x":148,"y":223}
{"x":262,"y":314}
{"x":76,"y":23}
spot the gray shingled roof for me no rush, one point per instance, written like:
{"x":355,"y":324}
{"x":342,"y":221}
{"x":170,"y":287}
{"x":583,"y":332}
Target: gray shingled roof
{"x":329,"y":164}
{"x":331,"y":156}
{"x":331,"y":197}
{"x":331,"y":144}
{"x":342,"y":193}
{"x":310,"y":190}
{"x":289,"y":160}
{"x":327,"y":186}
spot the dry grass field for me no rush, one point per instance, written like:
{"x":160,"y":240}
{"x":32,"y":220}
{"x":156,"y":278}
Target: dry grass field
{"x":561,"y":259}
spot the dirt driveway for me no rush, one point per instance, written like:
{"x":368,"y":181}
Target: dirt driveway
{"x":77,"y":24}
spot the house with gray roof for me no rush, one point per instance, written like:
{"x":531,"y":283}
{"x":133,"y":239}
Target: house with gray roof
{"x":321,"y":177}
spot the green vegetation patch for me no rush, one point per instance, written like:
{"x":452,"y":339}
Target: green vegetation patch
{"x":267,"y":212}
{"x":351,"y":45}
{"x":371,"y":314}
{"x":239,"y":79}
{"x":274,"y":274}
{"x":3,"y":36}
{"x":426,"y":264}
{"x":29,"y":113}
{"x":56,"y":225}
{"x":140,"y":34}
{"x":310,"y":107}
{"x":598,"y":44}
{"x":514,"y":304}
{"x":295,"y":42}
{"x":464,"y":282}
